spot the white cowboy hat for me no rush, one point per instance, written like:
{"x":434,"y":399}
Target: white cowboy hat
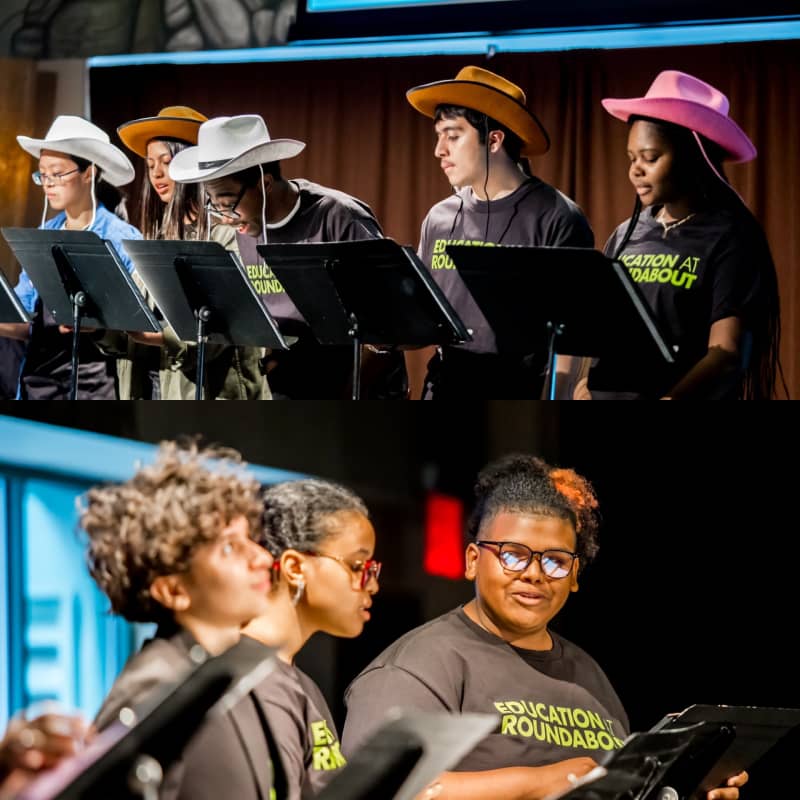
{"x":230,"y":144}
{"x":76,"y":136}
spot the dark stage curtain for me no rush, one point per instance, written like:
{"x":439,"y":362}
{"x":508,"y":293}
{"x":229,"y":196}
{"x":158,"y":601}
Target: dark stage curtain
{"x":365,"y":139}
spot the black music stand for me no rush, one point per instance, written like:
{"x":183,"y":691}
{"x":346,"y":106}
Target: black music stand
{"x":11,"y":309}
{"x":371,"y":291}
{"x":568,"y":301}
{"x":686,"y":755}
{"x":406,"y":753}
{"x":205,"y":295}
{"x":753,"y":731}
{"x":82,"y":282}
{"x":129,"y":758}
{"x":637,"y":771}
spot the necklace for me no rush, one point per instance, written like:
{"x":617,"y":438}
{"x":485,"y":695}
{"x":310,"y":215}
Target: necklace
{"x":668,"y":226}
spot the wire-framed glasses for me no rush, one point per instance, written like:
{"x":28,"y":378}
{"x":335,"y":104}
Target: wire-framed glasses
{"x":56,"y":179}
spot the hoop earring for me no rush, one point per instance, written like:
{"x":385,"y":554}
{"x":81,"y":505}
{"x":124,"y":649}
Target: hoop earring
{"x":298,"y":592}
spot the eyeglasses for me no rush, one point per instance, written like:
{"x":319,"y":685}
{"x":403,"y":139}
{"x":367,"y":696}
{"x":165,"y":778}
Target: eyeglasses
{"x":225,"y":211}
{"x":56,"y":179}
{"x":517,"y":557}
{"x":366,"y":570}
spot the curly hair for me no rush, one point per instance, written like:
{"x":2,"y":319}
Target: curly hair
{"x":529,"y":485}
{"x":152,"y":524}
{"x":297,"y":514}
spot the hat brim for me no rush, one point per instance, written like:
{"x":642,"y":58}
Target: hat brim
{"x":716,"y":127}
{"x":138,"y":132}
{"x":185,"y":166}
{"x":496,"y":104}
{"x":115,"y":165}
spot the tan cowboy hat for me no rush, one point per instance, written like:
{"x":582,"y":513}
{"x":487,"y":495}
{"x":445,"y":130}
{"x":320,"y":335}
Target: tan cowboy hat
{"x":490,"y":94}
{"x":226,"y":145}
{"x":684,"y":100}
{"x":75,"y":136}
{"x":172,"y":122}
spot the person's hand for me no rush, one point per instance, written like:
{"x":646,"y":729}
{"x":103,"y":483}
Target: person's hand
{"x":731,"y":790}
{"x":561,"y":775}
{"x":30,"y":746}
{"x":581,"y":391}
{"x":147,"y":337}
{"x":68,"y":329}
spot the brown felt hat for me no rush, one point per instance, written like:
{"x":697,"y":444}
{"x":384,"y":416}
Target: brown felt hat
{"x":490,"y":94}
{"x":172,"y":122}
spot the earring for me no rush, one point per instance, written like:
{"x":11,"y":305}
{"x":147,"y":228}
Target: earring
{"x":298,"y":592}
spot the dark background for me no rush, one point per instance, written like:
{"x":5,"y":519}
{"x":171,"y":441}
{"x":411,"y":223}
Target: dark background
{"x":692,"y":598}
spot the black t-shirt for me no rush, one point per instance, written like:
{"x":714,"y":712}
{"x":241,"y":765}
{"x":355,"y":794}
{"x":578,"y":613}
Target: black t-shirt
{"x":553,"y":705}
{"x":304,"y":730}
{"x":535,"y":215}
{"x":308,"y":370}
{"x":697,"y":273}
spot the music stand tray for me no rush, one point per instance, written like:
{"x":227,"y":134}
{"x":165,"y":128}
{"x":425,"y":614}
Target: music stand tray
{"x":685,"y":755}
{"x":82,"y":282}
{"x":565,"y":300}
{"x":11,"y":309}
{"x":406,"y":753}
{"x":205,"y":295}
{"x":755,"y":731}
{"x":371,"y":291}
{"x":61,"y":264}
{"x":157,"y":728}
{"x":184,"y":277}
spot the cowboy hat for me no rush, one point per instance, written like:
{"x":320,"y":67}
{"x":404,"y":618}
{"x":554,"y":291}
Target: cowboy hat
{"x":691,"y":103}
{"x":75,"y":136}
{"x":172,"y":122}
{"x":490,"y":94}
{"x":226,"y":145}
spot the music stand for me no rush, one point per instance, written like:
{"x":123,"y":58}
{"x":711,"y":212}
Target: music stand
{"x":568,"y":301}
{"x":686,"y":755}
{"x":371,"y":291}
{"x":406,"y":753}
{"x":131,"y":756}
{"x":638,"y":770}
{"x":81,"y":281}
{"x":754,"y":732}
{"x":205,"y":295}
{"x":11,"y":310}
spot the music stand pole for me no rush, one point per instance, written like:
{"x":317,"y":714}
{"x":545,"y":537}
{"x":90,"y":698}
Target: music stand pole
{"x":203,"y":315}
{"x":79,"y":300}
{"x":78,"y":304}
{"x":554,"y":330}
{"x":353,"y":333}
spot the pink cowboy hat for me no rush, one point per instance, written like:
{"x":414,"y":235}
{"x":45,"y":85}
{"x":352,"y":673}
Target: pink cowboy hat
{"x":687,"y":101}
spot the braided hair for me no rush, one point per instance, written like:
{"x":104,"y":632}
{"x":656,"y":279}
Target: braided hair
{"x":297,"y":514}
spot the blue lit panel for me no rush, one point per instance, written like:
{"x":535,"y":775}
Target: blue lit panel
{"x":482,"y":43}
{"x":360,"y":5}
{"x":68,"y":630}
